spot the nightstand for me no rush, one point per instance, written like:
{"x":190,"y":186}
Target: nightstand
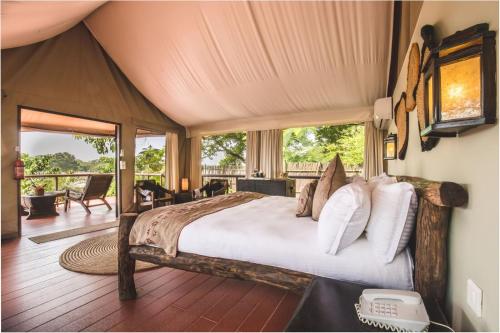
{"x":328,"y":305}
{"x":183,"y":197}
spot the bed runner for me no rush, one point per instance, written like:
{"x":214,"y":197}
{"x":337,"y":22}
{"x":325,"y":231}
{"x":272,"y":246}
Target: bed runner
{"x":162,"y":226}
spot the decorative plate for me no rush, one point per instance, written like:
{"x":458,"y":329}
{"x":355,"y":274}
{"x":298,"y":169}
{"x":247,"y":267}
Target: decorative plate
{"x":413,"y":77}
{"x":402,"y":118}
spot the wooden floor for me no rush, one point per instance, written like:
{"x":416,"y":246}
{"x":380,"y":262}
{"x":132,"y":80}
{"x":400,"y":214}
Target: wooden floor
{"x":39,"y":295}
{"x":75,"y":217}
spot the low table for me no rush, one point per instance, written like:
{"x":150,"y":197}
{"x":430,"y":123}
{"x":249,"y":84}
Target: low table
{"x":328,"y":305}
{"x":41,"y":205}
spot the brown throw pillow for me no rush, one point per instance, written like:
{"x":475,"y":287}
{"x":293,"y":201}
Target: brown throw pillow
{"x":332,"y":179}
{"x":305,"y":203}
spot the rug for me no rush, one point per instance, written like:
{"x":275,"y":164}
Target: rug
{"x":97,"y":255}
{"x":73,"y":232}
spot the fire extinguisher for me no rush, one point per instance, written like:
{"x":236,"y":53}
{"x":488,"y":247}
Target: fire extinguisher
{"x":18,"y":169}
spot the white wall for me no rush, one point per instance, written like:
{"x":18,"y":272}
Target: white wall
{"x":471,"y":160}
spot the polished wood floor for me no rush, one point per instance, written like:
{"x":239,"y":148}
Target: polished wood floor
{"x":75,"y":217}
{"x":39,"y":295}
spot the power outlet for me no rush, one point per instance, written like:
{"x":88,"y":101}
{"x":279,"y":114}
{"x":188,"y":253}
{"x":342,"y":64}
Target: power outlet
{"x":474,"y":297}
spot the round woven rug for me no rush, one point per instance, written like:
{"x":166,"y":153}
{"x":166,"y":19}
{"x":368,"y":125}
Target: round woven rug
{"x":97,"y":255}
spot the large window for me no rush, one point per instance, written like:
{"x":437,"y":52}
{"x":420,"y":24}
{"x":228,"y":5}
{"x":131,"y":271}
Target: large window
{"x":223,"y":156}
{"x":307,"y":150}
{"x":150,"y":156}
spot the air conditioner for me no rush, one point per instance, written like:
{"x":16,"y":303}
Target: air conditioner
{"x":382,"y":112}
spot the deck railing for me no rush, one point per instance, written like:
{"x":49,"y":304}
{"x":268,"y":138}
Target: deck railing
{"x":58,"y":180}
{"x":302,"y":177}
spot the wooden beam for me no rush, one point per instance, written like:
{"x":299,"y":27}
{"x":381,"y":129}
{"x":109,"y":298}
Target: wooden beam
{"x":443,"y":194}
{"x":270,"y":275}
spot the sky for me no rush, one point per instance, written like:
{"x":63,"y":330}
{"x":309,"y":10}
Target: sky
{"x":41,"y":143}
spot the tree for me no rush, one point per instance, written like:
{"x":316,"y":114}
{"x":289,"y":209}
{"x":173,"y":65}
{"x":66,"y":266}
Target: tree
{"x":103,"y":145}
{"x":232,"y":146}
{"x":321,"y":144}
{"x":150,"y":160}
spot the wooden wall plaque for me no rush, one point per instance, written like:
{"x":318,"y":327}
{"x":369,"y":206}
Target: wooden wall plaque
{"x":402,"y":119}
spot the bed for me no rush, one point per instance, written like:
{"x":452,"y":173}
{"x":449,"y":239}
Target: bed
{"x":279,"y":249}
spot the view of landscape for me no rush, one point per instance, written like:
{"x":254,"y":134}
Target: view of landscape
{"x":74,"y":159}
{"x":306,"y":152}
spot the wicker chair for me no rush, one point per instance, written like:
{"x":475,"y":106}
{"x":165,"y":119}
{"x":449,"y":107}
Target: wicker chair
{"x":146,"y":199}
{"x":221,"y":191}
{"x":96,"y":188}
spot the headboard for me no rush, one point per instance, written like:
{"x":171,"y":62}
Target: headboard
{"x":429,"y":241}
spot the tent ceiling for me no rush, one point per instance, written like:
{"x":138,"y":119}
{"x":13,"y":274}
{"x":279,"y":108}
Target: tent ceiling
{"x":28,"y":22}
{"x":212,"y":64}
{"x":204,"y":62}
{"x":32,"y":121}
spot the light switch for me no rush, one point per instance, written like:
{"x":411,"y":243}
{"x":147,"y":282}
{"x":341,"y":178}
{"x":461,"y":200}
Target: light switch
{"x":123,"y":165}
{"x":474,"y":297}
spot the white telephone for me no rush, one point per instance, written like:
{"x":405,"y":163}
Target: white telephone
{"x":396,"y":310}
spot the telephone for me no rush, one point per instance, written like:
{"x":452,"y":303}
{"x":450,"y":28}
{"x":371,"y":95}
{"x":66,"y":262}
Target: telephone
{"x":395,"y":310}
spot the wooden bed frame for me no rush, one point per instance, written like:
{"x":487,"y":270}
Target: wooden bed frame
{"x":428,"y":245}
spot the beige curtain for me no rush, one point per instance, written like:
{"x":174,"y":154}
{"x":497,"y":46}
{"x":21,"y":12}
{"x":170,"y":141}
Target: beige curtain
{"x":195,"y":174}
{"x":172,"y":161}
{"x":253,"y":152}
{"x":374,"y":146}
{"x":271,"y":152}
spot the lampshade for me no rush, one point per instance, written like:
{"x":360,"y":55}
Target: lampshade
{"x":184,"y":184}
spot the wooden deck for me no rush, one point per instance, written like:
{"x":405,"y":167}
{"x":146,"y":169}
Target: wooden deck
{"x":75,"y":217}
{"x":39,"y":295}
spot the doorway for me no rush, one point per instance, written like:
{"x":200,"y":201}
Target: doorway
{"x":66,"y":157}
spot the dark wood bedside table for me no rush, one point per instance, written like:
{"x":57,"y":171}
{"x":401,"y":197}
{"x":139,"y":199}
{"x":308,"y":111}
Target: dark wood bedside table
{"x":328,"y":305}
{"x":182,"y":197}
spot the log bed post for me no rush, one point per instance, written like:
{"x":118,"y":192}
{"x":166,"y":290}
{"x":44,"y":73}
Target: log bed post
{"x":436,"y":200}
{"x":126,"y":264}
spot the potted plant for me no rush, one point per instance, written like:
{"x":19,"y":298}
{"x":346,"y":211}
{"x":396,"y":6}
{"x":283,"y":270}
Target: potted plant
{"x":38,"y":189}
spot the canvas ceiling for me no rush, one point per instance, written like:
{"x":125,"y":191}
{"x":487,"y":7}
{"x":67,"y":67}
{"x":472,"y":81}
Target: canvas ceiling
{"x":28,"y":22}
{"x":222,"y":66}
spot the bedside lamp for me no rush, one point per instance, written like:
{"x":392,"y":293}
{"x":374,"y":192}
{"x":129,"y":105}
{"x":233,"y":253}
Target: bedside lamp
{"x":184,"y":184}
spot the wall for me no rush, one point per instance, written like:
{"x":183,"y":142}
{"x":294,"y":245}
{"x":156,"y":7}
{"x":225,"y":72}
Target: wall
{"x":472,"y":160}
{"x":71,"y":74}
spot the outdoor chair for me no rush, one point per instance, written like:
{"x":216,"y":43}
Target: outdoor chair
{"x":214,"y":188}
{"x":96,"y":188}
{"x":150,"y":195}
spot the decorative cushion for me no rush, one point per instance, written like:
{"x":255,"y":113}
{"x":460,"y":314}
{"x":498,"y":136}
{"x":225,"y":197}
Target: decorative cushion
{"x":392,"y":219}
{"x":383,"y":178}
{"x":305,"y":202}
{"x":332,"y":179}
{"x":344,"y":217}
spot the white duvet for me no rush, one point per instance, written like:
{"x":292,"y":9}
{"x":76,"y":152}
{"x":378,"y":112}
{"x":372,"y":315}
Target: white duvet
{"x":266,"y":231}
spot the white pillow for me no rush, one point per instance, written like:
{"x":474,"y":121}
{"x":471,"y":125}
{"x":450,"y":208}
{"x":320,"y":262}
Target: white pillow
{"x":394,"y":209}
{"x":344,"y":217}
{"x":380,"y":180}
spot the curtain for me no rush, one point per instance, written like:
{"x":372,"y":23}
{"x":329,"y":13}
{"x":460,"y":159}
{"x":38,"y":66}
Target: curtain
{"x":253,"y":152}
{"x":195,"y":173}
{"x":271,"y":153}
{"x":374,"y":146}
{"x":172,"y":161}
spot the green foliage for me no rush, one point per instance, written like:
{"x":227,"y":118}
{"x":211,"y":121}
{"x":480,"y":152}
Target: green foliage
{"x":103,"y":145}
{"x":150,"y":160}
{"x":305,"y":144}
{"x":231,"y":145}
{"x":321,"y":144}
{"x":63,"y":163}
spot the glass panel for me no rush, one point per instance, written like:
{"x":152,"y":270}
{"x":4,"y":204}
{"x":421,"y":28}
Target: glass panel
{"x":430,"y":101}
{"x":461,"y":89}
{"x":390,"y":149}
